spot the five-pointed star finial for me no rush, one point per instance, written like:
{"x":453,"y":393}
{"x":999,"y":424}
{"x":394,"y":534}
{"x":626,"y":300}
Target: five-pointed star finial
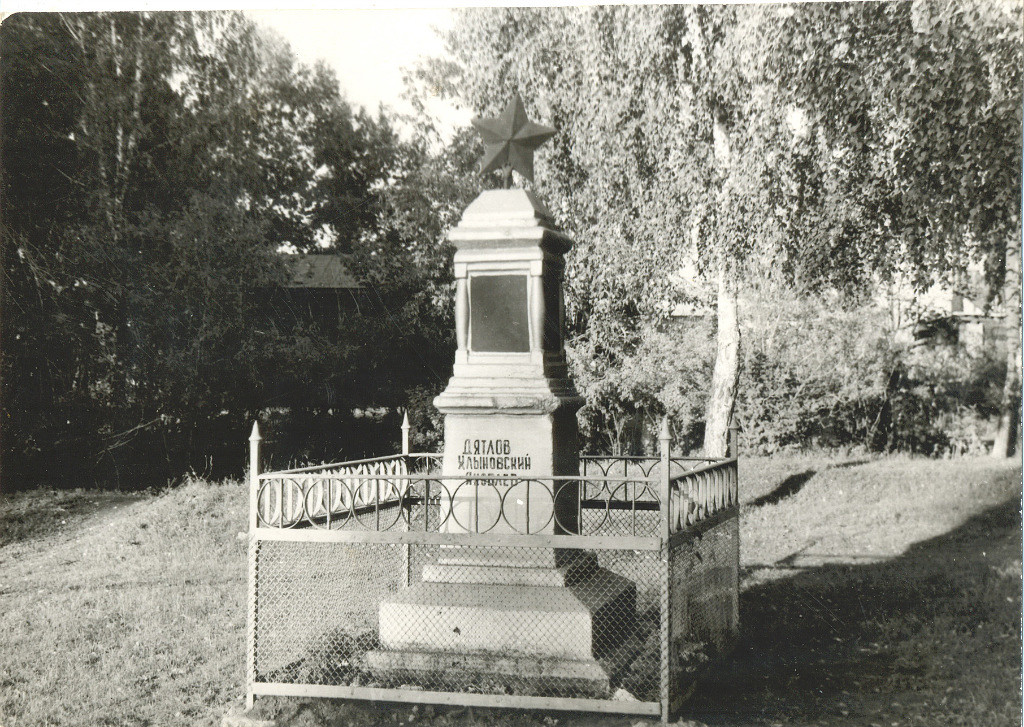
{"x":509,"y":141}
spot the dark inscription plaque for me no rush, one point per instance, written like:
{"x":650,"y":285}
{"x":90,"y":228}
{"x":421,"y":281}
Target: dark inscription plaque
{"x":498,"y":315}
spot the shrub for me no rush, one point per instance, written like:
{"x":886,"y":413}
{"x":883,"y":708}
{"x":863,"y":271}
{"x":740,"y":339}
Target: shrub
{"x":630,"y":383}
{"x":818,"y":374}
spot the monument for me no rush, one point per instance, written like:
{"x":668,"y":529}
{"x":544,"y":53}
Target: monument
{"x":510,"y":413}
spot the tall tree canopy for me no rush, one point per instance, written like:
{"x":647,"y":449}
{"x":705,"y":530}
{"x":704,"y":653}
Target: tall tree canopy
{"x":923,"y":101}
{"x":711,"y":143}
{"x":153,"y":165}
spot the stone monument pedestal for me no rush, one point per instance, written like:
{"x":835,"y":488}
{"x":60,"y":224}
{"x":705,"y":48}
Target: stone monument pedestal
{"x":533,"y":613}
{"x":533,"y":624}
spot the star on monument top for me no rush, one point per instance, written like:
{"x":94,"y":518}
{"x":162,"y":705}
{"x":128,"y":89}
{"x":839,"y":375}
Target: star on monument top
{"x":510,"y":140}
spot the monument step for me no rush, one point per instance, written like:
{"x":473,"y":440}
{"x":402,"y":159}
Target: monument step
{"x":468,"y":556}
{"x":456,"y":670}
{"x":579,"y":621}
{"x":524,"y":380}
{"x":579,"y":569}
{"x":483,"y":400}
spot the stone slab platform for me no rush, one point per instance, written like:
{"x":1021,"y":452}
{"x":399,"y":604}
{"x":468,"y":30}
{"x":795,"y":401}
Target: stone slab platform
{"x":457,"y":671}
{"x":453,"y":669}
{"x":578,"y":621}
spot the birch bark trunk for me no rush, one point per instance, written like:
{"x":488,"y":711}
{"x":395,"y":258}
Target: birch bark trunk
{"x":1008,"y":431}
{"x":725,"y":379}
{"x":1009,"y":415}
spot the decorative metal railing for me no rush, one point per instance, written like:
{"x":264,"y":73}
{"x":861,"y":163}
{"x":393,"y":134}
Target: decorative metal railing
{"x":404,"y":492}
{"x":289,"y":498}
{"x":701,"y":493}
{"x":383,"y":501}
{"x":608,"y":465}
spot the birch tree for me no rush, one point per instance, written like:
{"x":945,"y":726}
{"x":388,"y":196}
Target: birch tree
{"x":669,"y":158}
{"x":798,"y":143}
{"x":923,"y":102}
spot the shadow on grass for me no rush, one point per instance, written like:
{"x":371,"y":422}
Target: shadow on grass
{"x":787,"y":488}
{"x":933,"y":634}
{"x":794,"y":483}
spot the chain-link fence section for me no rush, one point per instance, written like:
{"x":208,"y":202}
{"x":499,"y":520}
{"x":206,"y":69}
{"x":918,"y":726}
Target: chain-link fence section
{"x":703,"y":573}
{"x":316,"y":608}
{"x":341,"y":614}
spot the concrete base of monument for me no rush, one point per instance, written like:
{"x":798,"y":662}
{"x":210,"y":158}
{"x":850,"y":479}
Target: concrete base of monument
{"x":526,"y":623}
{"x":451,"y":670}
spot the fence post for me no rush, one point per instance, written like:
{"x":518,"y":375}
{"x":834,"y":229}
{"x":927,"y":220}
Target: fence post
{"x":407,"y":548}
{"x":665,"y":445}
{"x":250,"y":626}
{"x":734,"y":499}
{"x":254,"y":475}
{"x":665,"y":449}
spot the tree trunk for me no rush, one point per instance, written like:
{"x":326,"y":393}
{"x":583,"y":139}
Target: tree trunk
{"x":1009,"y":409}
{"x":725,"y":379}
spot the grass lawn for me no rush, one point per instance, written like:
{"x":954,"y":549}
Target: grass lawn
{"x":883,"y":592}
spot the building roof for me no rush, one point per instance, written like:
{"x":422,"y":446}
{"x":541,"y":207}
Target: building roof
{"x":325,"y":272}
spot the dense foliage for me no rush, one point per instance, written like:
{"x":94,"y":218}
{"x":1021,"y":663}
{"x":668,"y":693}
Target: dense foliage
{"x":154,"y":164}
{"x":820,"y":375}
{"x":704,"y":148}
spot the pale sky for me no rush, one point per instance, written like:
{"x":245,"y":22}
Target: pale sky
{"x":368,"y":50}
{"x":367,"y":47}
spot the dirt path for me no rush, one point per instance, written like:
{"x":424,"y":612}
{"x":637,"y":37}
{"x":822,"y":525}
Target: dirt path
{"x":28,"y":519}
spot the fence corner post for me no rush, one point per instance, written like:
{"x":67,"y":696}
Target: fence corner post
{"x":250,"y":627}
{"x":405,"y":433}
{"x":665,"y":450}
{"x":254,"y":474}
{"x":734,"y":440}
{"x":665,"y":445}
{"x":407,"y":523}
